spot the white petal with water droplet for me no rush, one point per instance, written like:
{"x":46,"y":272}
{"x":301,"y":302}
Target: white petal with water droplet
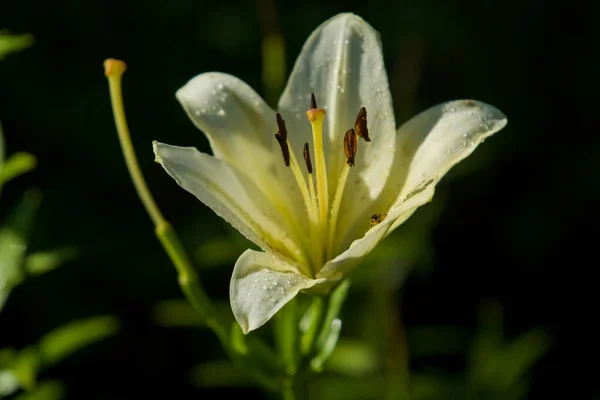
{"x":360,"y":248}
{"x":261,"y":284}
{"x":230,"y":194}
{"x":437,"y":139}
{"x":342,"y":63}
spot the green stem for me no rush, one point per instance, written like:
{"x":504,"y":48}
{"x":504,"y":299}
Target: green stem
{"x":286,"y":324}
{"x":394,"y":347}
{"x":190,"y":283}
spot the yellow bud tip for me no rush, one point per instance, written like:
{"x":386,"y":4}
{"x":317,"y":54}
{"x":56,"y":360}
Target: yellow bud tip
{"x":114,"y":67}
{"x":315,"y":114}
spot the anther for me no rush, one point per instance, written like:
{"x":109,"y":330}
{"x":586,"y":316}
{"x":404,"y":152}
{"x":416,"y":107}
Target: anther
{"x":360,"y":125}
{"x":313,"y":101}
{"x":377,"y":218}
{"x":307,"y":158}
{"x":281,"y":137}
{"x":350,"y":146}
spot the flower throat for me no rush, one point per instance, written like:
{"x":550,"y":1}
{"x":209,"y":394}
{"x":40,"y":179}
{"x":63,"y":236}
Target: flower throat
{"x":322,"y":215}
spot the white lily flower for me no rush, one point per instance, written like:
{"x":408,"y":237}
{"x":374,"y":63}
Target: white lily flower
{"x":314,"y":228}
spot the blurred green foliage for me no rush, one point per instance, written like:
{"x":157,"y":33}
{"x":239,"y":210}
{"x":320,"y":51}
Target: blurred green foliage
{"x":499,"y":225}
{"x":20,"y":368}
{"x":10,"y":43}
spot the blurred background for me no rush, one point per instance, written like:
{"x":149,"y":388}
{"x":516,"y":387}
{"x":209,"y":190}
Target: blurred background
{"x":486,"y":283}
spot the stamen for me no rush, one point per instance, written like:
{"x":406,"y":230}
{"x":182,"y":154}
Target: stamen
{"x":377,"y":218}
{"x":307,"y":161}
{"x":281,"y":137}
{"x":350,"y":146}
{"x":290,"y":161}
{"x":315,"y":235}
{"x":360,"y":125}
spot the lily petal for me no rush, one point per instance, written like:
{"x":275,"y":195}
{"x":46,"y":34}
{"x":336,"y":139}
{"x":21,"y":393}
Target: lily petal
{"x":359,"y":249}
{"x":261,"y":284}
{"x":342,"y":64}
{"x":230,"y":194}
{"x":440,"y":137}
{"x":428,"y":145}
{"x":240,"y":127}
{"x":236,"y":120}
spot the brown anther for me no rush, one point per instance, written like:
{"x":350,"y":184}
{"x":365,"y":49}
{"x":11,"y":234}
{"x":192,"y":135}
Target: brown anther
{"x":350,"y":146}
{"x":307,"y":161}
{"x":313,"y":101}
{"x":360,"y":125}
{"x":281,"y":137}
{"x":377,"y":218}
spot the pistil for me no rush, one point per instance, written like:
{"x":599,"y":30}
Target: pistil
{"x":316,"y":117}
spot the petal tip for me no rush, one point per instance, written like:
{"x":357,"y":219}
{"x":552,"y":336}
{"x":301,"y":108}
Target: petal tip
{"x":155,"y":149}
{"x":243,"y":321}
{"x":490,"y":117}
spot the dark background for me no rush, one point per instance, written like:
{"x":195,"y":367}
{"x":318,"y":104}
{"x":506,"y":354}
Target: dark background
{"x":513,"y":218}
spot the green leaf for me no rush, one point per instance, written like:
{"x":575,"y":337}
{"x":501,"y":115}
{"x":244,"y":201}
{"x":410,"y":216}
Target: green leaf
{"x":238,"y":340}
{"x":330,"y":331}
{"x":45,"y":261}
{"x":69,"y":338}
{"x":13,"y":243}
{"x":520,"y":355}
{"x":12,"y":43}
{"x":342,"y":388}
{"x":16,"y":165}
{"x":353,"y":358}
{"x":176,"y":313}
{"x":222,"y":250}
{"x":218,"y":373}
{"x":48,"y":390}
{"x":1,"y":147}
{"x":428,"y":387}
{"x":326,"y":346}
{"x":25,"y":366}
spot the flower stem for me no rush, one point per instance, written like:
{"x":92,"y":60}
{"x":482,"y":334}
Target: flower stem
{"x":286,"y":336}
